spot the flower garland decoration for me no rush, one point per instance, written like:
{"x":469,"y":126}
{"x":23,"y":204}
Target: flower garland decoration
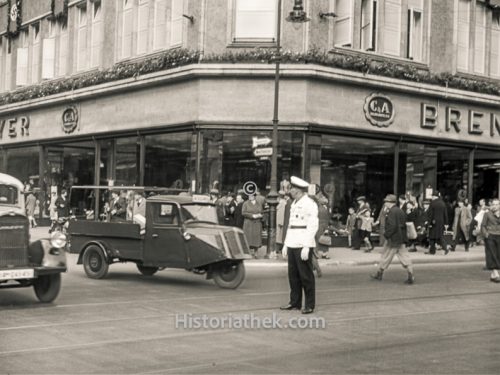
{"x":180,"y":57}
{"x":14,"y":11}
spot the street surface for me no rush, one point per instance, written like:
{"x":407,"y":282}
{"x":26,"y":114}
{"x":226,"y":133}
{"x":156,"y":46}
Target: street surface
{"x":447,"y":323}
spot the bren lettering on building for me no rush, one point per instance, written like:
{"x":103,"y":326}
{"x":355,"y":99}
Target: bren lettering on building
{"x":375,"y":96}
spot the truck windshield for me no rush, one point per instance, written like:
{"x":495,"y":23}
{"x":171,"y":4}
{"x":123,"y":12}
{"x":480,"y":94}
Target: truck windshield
{"x":8,"y":194}
{"x":201,"y":212}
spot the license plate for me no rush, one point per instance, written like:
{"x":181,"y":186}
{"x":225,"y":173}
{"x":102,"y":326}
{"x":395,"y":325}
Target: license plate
{"x":17,"y":274}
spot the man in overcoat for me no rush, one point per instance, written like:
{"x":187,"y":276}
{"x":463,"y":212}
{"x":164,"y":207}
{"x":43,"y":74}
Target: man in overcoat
{"x":395,"y":235}
{"x":438,"y":218}
{"x":461,"y":225}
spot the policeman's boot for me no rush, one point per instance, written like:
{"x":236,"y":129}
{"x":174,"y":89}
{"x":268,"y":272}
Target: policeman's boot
{"x":378,"y":275}
{"x":411,"y":279}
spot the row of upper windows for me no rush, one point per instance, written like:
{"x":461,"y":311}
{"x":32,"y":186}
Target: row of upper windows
{"x":397,"y":28}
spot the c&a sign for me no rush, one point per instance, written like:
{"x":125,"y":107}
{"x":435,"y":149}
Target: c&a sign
{"x":379,"y":110}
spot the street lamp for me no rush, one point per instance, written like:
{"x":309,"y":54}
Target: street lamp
{"x":297,"y":15}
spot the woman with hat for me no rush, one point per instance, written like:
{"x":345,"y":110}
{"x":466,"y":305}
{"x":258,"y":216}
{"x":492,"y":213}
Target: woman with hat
{"x":461,"y":225}
{"x":252,"y":224}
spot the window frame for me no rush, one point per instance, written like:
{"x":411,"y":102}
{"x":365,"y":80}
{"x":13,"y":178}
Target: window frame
{"x":234,"y":40}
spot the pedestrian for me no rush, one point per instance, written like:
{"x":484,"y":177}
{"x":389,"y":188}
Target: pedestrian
{"x":350,"y":225}
{"x":411,"y":223}
{"x":323,"y":223}
{"x":422,"y":225}
{"x":381,"y":224}
{"x":438,"y":218}
{"x":30,"y":208}
{"x":395,"y":235}
{"x":53,"y":210}
{"x":229,"y":210}
{"x":238,"y":215}
{"x":366,"y":230}
{"x":478,"y":219}
{"x":363,"y":206}
{"x":280,"y":221}
{"x":490,"y":228}
{"x":252,"y":225}
{"x":62,"y":207}
{"x":461,"y":225}
{"x":299,"y":243}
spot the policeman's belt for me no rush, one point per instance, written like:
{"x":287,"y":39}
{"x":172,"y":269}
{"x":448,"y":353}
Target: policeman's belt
{"x":298,"y":226}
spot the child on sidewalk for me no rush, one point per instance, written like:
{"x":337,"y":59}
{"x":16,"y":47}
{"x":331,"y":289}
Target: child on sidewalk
{"x":350,"y":224}
{"x":366,"y":230}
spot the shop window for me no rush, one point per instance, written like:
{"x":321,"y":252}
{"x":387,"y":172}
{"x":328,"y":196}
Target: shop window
{"x":463,"y":29}
{"x":415,"y":34}
{"x":22,"y":163}
{"x":486,"y":175}
{"x":351,"y":167}
{"x":343,"y":23}
{"x":255,"y":21}
{"x":228,"y":159}
{"x":170,"y":160}
{"x":127,"y":154}
{"x":369,"y":25}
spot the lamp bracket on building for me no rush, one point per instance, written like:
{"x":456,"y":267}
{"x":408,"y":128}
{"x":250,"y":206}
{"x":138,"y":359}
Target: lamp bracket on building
{"x":323,"y":15}
{"x":298,"y":14}
{"x":190,"y":18}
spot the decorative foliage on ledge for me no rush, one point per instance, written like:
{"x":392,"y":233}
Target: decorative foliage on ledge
{"x":180,"y":57}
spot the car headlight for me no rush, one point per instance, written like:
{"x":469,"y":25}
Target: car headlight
{"x":58,"y":239}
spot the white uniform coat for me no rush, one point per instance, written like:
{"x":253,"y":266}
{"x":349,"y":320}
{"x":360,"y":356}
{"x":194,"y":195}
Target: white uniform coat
{"x":303,"y":223}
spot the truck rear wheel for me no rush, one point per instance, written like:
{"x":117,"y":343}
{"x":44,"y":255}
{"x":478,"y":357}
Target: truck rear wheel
{"x":94,"y":262}
{"x":47,"y":287}
{"x":230,"y":275}
{"x":147,"y":271}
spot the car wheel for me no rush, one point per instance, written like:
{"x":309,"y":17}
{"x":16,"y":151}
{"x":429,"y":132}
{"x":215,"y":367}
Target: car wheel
{"x":230,"y":275}
{"x":47,"y":287}
{"x":94,"y":262}
{"x":147,"y":271}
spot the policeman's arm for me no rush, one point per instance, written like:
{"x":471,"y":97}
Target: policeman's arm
{"x":312,"y":223}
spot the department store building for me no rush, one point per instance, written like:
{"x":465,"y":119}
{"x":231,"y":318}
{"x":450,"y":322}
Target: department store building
{"x":194,"y":126}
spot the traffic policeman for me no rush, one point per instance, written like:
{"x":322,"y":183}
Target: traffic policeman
{"x":299,"y":244}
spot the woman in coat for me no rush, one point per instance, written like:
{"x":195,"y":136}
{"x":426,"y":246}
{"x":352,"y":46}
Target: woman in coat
{"x":461,"y":225}
{"x":323,"y":222}
{"x":252,"y":225}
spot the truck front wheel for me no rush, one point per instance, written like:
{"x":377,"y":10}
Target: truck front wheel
{"x":94,"y":262}
{"x":47,"y":287}
{"x":230,"y":275}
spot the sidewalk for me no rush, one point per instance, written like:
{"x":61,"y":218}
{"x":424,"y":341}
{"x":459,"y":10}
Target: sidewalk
{"x":341,"y":256}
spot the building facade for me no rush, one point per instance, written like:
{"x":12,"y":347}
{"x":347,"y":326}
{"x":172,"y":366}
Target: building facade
{"x":74,"y":113}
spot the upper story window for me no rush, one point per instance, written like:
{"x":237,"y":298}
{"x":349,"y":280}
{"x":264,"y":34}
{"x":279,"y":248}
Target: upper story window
{"x":463,"y":32}
{"x":392,"y":27}
{"x":414,"y":45}
{"x":369,"y":25}
{"x":255,"y":20}
{"x":145,"y":26}
{"x":495,"y":45}
{"x":480,"y":39}
{"x":97,"y":34}
{"x":81,"y":47}
{"x":35,"y":52}
{"x":344,"y":9}
{"x":22,"y":58}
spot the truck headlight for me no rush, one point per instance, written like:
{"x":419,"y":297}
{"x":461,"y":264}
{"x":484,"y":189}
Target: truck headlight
{"x":58,"y":240}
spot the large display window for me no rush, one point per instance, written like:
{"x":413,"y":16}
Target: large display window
{"x":486,"y":175}
{"x":228,"y":159}
{"x":170,"y":160}
{"x":127,"y":161}
{"x":352,"y":167}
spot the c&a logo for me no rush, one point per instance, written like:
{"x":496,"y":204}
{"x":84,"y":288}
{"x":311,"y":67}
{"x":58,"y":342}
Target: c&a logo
{"x":379,"y":110}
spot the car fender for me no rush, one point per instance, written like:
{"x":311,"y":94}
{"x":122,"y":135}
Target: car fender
{"x":43,"y":253}
{"x":108,"y":254}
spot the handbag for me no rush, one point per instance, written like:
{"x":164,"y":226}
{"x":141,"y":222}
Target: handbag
{"x":325,"y":240}
{"x":411,"y":232}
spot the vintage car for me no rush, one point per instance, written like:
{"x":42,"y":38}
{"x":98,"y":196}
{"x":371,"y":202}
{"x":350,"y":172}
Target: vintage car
{"x":23,"y":264}
{"x":176,"y":232}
